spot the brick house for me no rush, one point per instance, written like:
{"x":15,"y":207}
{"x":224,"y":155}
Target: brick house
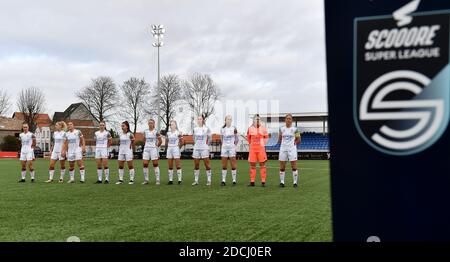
{"x":9,"y":127}
{"x":83,"y":120}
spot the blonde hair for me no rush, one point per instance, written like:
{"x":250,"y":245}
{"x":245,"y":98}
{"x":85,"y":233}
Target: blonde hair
{"x":63,"y":125}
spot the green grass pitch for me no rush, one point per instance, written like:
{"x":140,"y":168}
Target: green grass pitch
{"x":54,"y":212}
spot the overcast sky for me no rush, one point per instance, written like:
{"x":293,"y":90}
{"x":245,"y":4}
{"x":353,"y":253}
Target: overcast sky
{"x":253,"y":49}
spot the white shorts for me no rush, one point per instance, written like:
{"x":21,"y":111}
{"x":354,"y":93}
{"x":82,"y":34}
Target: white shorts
{"x":27,"y":156}
{"x":150,"y":153}
{"x":288,"y":155}
{"x":125,"y":156}
{"x":75,"y":156}
{"x":173,"y":152}
{"x":228,"y":152}
{"x":101,"y":153}
{"x":57,"y":156}
{"x":200,"y":153}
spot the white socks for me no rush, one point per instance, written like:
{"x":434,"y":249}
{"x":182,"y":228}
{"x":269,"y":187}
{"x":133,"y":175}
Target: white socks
{"x":208,"y":176}
{"x":196,"y":175}
{"x":156,"y":169}
{"x":99,"y":174}
{"x":63,"y":172}
{"x":82,"y":173}
{"x":295,"y":175}
{"x":224,"y":175}
{"x":131,"y":174}
{"x":234,"y":175}
{"x":107,"y":174}
{"x":170,"y":175}
{"x":32,"y":174}
{"x":24,"y":173}
{"x":146,"y":173}
{"x":72,"y":175}
{"x":51,"y":174}
{"x":180,"y":175}
{"x":282,"y":175}
{"x":121,"y":174}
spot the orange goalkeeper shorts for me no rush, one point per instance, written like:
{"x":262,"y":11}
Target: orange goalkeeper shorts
{"x":257,"y":156}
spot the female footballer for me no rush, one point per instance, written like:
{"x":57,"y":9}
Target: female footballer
{"x":202,"y":139}
{"x":229,"y":139}
{"x":175,"y":142}
{"x":103,"y":141}
{"x":76,"y":147}
{"x":151,"y":151}
{"x":257,"y":136}
{"x":27,"y":144}
{"x":289,"y":137}
{"x":126,"y":153}
{"x":58,"y":139}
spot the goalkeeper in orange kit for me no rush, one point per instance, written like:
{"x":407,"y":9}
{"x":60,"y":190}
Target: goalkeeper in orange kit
{"x":257,"y":136}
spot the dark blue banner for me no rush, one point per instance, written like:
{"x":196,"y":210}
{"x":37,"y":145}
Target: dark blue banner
{"x":388,"y":65}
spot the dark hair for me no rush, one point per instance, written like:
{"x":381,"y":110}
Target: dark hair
{"x":127,"y":125}
{"x":203,"y":118}
{"x":289,"y":114}
{"x":225,"y":124}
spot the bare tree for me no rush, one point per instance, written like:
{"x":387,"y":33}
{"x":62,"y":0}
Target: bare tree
{"x":5,"y":102}
{"x":135,"y":92}
{"x":100,"y":97}
{"x":201,"y":93}
{"x":31,"y":102}
{"x":165,"y":99}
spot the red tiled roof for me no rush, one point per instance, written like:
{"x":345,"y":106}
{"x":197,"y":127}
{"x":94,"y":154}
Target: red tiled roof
{"x":42,"y":119}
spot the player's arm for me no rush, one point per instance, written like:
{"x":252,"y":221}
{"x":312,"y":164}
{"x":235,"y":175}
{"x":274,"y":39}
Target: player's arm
{"x":180,"y":141}
{"x":209,"y":137}
{"x":65,"y":147}
{"x":236,"y":137}
{"x":132,"y":147}
{"x":280,"y":136}
{"x":110,"y":141}
{"x":298,"y":137}
{"x":158,"y":136}
{"x":33,"y":144}
{"x":265,"y":136}
{"x":83,"y":143}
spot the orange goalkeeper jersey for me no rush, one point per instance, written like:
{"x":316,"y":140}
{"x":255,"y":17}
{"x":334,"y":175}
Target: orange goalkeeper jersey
{"x":257,"y":138}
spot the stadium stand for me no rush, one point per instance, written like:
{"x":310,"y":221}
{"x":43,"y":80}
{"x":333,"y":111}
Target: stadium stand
{"x":310,"y":141}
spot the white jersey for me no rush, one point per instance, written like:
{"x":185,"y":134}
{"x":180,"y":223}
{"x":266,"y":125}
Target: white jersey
{"x":202,"y":135}
{"x":26,"y":139}
{"x":101,"y":139}
{"x":125,"y":142}
{"x":59,"y":137}
{"x":174,"y":138}
{"x":229,"y":137}
{"x":288,"y":137}
{"x":151,"y":138}
{"x":74,"y":139}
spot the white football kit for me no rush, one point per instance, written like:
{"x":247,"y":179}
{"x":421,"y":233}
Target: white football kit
{"x":101,"y":144}
{"x":202,"y":136}
{"x":74,"y":151}
{"x":26,"y":151}
{"x":229,"y":141}
{"x":59,"y":137}
{"x":151,"y":150}
{"x":288,"y":148}
{"x":125,"y":151}
{"x":173,"y":149}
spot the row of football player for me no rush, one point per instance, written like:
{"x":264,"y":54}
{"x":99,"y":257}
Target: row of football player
{"x":69,"y":144}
